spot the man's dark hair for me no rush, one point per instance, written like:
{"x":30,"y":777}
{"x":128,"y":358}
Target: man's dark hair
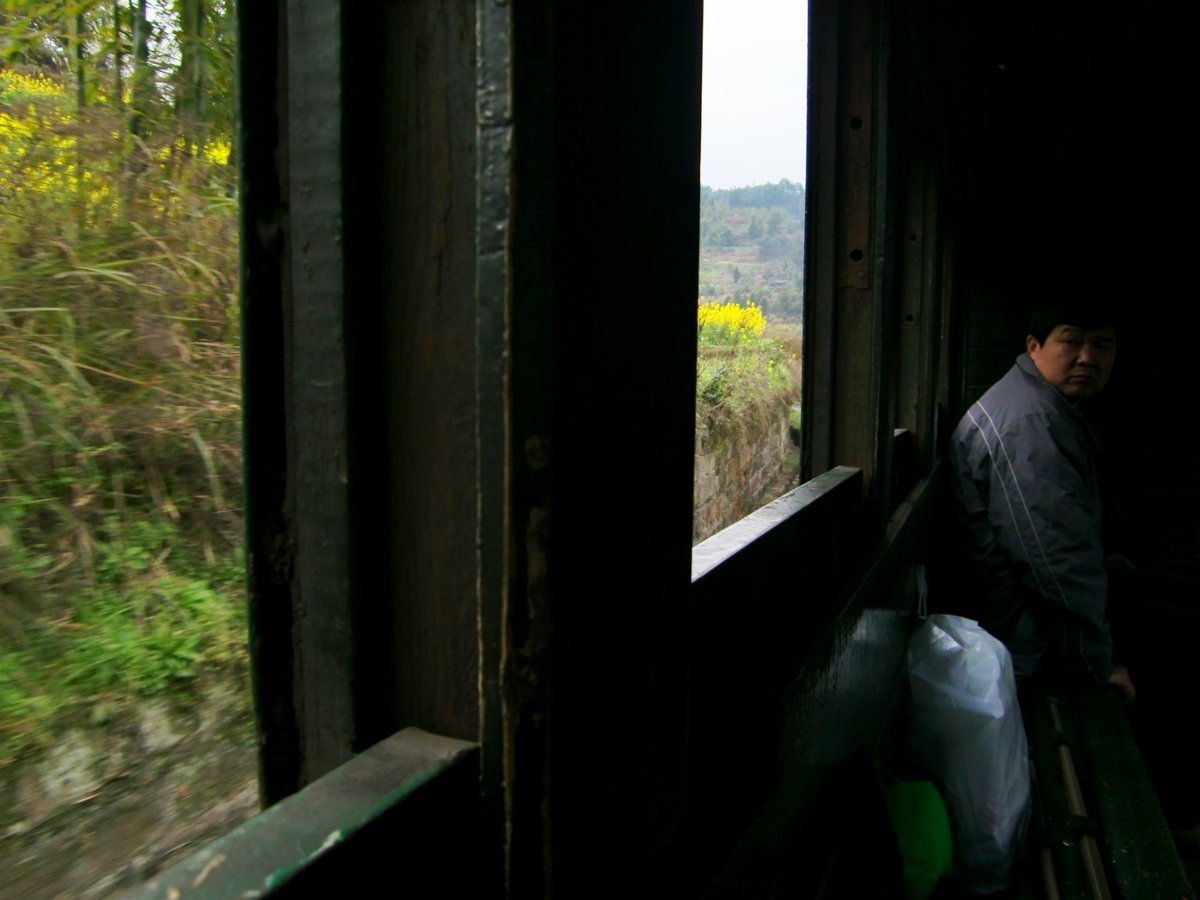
{"x":1086,"y":312}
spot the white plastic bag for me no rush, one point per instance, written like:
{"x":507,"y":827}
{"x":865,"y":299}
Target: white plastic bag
{"x":966,"y":732}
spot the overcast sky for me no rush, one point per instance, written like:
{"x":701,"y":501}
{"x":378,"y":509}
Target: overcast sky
{"x":755,"y":72}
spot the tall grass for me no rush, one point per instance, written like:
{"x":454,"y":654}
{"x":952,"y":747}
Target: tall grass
{"x":746,"y":369}
{"x":120,"y":457}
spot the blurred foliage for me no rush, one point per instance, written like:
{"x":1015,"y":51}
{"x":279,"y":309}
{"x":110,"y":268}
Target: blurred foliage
{"x":120,"y":455}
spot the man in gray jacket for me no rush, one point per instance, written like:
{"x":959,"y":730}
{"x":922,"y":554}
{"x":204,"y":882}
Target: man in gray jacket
{"x":1025,"y":475}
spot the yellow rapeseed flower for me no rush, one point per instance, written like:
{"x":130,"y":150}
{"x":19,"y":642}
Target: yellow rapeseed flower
{"x":729,"y":322}
{"x":218,"y":152}
{"x":14,"y":84}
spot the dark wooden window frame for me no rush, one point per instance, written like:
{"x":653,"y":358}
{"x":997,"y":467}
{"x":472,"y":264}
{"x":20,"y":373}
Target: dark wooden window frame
{"x":302,"y":628}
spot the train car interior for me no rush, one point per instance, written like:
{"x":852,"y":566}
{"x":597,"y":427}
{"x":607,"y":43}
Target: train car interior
{"x":487,"y":659}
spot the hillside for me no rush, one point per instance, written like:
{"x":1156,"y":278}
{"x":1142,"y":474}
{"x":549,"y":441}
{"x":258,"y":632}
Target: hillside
{"x":752,"y":247}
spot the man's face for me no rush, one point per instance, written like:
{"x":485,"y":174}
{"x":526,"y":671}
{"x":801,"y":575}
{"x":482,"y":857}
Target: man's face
{"x":1074,"y":360}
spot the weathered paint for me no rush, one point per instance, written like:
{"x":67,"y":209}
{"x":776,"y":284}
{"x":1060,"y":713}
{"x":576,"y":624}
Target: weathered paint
{"x":316,"y":388}
{"x":838,"y":488}
{"x":419,"y":194}
{"x":281,"y":847}
{"x":493,"y":407}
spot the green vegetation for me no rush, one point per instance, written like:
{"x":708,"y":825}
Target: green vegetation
{"x":752,"y":247}
{"x":751,"y":293}
{"x":745,"y":369}
{"x":120,"y":457}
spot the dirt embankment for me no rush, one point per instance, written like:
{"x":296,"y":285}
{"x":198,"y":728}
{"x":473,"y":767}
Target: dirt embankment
{"x":111,"y":804}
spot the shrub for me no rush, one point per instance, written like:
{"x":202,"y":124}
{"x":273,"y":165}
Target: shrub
{"x":741,"y":372}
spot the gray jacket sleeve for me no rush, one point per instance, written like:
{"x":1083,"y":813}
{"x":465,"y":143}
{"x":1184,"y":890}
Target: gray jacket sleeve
{"x":1033,"y":515}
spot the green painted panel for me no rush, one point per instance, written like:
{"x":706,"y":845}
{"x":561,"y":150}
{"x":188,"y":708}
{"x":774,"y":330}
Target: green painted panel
{"x":398,"y":808}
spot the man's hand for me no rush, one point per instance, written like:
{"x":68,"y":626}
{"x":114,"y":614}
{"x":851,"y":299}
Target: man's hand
{"x":1123,"y":683}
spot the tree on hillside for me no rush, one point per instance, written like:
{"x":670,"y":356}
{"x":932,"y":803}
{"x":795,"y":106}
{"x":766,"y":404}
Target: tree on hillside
{"x":787,"y":195}
{"x":767,"y":220}
{"x":722,"y":236}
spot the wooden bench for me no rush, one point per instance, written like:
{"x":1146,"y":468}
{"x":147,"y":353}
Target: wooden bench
{"x":1098,"y":830}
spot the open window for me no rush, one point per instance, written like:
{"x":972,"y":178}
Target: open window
{"x":125,"y":713}
{"x":750,"y":308}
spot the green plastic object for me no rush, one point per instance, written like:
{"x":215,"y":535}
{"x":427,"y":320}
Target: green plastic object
{"x":923,"y":833}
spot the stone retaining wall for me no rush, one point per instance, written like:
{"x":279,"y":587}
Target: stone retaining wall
{"x":113,"y":802}
{"x":740,"y":467}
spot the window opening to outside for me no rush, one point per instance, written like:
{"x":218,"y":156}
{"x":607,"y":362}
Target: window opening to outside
{"x":126,"y":732}
{"x":751,"y":281}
